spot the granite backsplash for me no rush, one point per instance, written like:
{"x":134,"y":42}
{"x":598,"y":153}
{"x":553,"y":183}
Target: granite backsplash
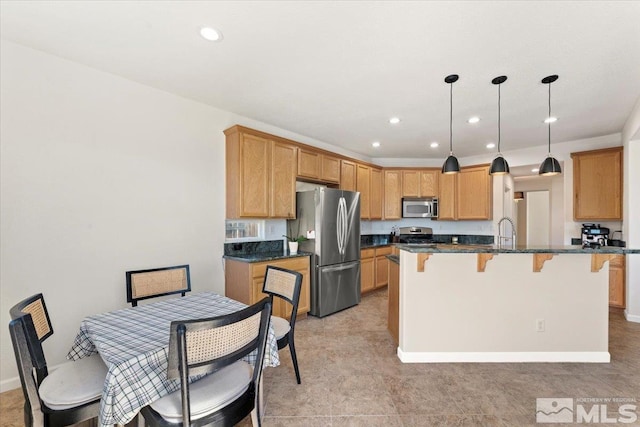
{"x":246,"y":248}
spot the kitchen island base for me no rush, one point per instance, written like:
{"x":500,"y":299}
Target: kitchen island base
{"x":503,"y":307}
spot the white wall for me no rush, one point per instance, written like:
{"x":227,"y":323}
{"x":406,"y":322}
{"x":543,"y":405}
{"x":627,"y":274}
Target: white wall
{"x":631,"y":209}
{"x":100,"y":175}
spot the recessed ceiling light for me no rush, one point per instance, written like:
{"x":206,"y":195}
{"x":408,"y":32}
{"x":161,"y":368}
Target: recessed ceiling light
{"x":394,"y":120}
{"x":473,"y":120}
{"x":434,"y":144}
{"x":211,"y":34}
{"x":491,"y":145}
{"x":551,"y":120}
{"x":535,"y":170}
{"x":375,"y":144}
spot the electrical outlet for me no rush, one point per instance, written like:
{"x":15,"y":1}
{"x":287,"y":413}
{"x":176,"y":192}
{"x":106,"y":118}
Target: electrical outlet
{"x":540,"y":325}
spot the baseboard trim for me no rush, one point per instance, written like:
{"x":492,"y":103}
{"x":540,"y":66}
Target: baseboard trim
{"x":10,"y":384}
{"x":505,"y":357}
{"x":631,"y":317}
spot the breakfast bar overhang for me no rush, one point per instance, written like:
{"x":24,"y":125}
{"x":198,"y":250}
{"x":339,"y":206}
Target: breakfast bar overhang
{"x":462,"y":303}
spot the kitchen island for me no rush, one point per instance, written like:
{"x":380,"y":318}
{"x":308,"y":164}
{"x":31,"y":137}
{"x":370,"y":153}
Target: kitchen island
{"x":465,"y":303}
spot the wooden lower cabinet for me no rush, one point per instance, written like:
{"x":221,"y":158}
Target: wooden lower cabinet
{"x":243,"y":282}
{"x":374,"y":268}
{"x":367,"y":270}
{"x":393,"y":321}
{"x":382,"y":266}
{"x":617,"y":274}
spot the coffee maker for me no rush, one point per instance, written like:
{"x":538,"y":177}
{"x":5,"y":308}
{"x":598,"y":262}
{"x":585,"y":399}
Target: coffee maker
{"x":594,"y":236}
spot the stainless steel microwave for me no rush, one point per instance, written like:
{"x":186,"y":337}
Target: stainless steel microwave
{"x":420,"y":208}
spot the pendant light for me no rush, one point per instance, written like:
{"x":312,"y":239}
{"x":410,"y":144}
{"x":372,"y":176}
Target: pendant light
{"x":499,"y":166}
{"x":451,"y":165}
{"x":550,"y":166}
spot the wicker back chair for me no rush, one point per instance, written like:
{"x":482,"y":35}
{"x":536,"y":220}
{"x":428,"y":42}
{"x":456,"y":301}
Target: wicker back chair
{"x":156,"y":282}
{"x":70,"y":394}
{"x":214,"y":346}
{"x":282,"y":283}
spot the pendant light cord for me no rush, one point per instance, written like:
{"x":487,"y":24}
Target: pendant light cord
{"x":499,"y":118}
{"x":451,"y":118}
{"x":549,"y":117}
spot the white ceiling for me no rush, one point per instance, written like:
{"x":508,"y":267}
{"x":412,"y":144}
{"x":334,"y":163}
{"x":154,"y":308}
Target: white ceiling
{"x":337,"y":71}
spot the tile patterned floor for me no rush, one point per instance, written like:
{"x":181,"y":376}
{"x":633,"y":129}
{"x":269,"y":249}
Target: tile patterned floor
{"x":352,"y":377}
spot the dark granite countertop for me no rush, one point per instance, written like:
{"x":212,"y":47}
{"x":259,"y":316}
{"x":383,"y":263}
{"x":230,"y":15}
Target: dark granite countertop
{"x":519,"y":249}
{"x":266,"y":256}
{"x":394,"y":258}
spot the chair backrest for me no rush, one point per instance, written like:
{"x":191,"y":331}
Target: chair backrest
{"x":35,"y":321}
{"x":285,"y":284}
{"x":35,"y":306}
{"x":201,"y":346}
{"x":23,"y":337}
{"x":156,"y":282}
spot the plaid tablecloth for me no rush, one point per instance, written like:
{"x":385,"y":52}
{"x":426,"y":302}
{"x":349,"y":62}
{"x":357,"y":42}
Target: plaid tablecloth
{"x":134,"y":343}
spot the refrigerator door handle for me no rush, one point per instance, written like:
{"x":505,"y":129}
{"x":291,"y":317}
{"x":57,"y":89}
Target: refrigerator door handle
{"x":339,"y":226}
{"x":342,"y":225}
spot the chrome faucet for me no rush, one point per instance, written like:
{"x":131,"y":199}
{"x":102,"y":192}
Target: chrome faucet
{"x":501,"y":238}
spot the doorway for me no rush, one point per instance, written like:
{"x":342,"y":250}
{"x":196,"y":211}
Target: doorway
{"x":533,"y":213}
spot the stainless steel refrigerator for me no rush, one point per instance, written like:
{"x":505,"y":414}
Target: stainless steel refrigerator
{"x":332,"y":219}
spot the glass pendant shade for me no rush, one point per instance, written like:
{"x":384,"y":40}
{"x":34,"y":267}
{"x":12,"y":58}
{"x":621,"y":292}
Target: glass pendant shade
{"x":549,"y":167}
{"x":499,"y":166}
{"x":451,"y":165}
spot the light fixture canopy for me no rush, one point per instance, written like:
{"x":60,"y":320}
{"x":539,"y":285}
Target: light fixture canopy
{"x":550,"y":166}
{"x":451,"y":165}
{"x":499,"y":165}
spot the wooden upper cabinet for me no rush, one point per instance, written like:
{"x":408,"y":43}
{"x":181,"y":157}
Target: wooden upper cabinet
{"x":392,"y":194}
{"x":429,"y":183}
{"x":260,"y":175}
{"x":375,"y":199}
{"x":283,"y":180}
{"x":318,"y":166}
{"x":447,"y":209}
{"x":420,"y":183}
{"x":597,"y":184}
{"x":248,"y":166}
{"x":330,"y":168}
{"x":411,"y":183}
{"x":363,"y":185}
{"x":475,"y":193}
{"x":347,"y":175}
{"x":308,"y":164}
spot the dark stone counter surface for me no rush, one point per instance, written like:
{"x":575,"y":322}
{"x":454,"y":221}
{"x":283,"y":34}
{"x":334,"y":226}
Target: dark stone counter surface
{"x":375,"y":240}
{"x":266,"y":256}
{"x":394,"y":258}
{"x":519,"y":249}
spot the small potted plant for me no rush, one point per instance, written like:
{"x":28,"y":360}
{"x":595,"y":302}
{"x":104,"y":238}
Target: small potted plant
{"x":294,"y":241}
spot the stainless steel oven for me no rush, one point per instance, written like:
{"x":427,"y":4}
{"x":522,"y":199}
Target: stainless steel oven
{"x":420,"y":208}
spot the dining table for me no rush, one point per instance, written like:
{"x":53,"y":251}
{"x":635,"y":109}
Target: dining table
{"x":134,"y":344}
